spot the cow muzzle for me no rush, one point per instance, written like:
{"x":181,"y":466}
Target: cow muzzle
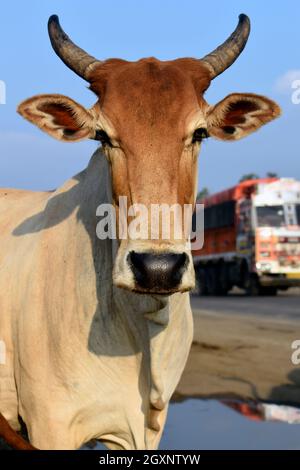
{"x":157,"y":273}
{"x":154,"y":270}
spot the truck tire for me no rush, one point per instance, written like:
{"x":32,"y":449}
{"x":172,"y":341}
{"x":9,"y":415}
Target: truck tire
{"x":253,"y":288}
{"x":223,"y":285}
{"x":211,"y":280}
{"x":251,"y":285}
{"x":268,"y":290}
{"x":215,"y":280}
{"x":201,"y":286}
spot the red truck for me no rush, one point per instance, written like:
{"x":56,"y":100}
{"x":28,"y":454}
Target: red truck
{"x":251,"y":238}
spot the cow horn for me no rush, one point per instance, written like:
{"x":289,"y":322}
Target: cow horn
{"x":224,"y":56}
{"x":74,"y":57}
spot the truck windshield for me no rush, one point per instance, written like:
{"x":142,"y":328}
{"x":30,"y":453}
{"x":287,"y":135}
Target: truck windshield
{"x":270,"y":216}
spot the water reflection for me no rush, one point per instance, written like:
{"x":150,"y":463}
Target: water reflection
{"x":212,"y":424}
{"x":241,"y":356}
{"x":265,"y":411}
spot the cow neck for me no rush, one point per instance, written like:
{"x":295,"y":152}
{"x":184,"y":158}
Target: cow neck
{"x":147,"y":316}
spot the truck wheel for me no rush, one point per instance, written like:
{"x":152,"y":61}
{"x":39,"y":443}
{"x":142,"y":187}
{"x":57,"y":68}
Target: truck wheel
{"x":251,"y":285}
{"x":201,"y":286}
{"x":223,"y":285}
{"x":212,"y":280}
{"x":268,"y":290}
{"x":216,"y":280}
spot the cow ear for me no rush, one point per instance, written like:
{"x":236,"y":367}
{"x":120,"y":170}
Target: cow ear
{"x":240,"y":114}
{"x":59,"y":116}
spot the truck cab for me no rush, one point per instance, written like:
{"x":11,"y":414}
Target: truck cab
{"x":251,"y":238}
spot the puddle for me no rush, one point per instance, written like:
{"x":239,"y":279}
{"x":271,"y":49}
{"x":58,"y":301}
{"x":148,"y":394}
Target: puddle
{"x":210,"y":424}
{"x":215,"y":425}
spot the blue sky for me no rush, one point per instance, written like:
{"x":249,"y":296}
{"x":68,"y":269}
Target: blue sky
{"x":132,"y":29}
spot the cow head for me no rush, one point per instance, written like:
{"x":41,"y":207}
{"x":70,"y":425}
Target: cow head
{"x":151,"y":118}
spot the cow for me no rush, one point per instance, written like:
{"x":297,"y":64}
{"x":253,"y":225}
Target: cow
{"x":98,"y":330}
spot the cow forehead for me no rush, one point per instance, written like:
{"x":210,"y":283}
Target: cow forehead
{"x":150,"y":95}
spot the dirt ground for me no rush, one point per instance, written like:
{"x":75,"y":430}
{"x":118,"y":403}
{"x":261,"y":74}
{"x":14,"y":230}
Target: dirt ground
{"x":242,"y":356}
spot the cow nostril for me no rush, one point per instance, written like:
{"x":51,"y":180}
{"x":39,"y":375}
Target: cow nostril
{"x":158,"y":272}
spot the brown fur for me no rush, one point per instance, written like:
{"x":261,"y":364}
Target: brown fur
{"x":150,"y":106}
{"x":239,"y":114}
{"x":62,"y":116}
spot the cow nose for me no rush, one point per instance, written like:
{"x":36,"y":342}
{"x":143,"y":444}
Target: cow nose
{"x":159,"y":273}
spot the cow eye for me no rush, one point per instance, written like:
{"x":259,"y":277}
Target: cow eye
{"x":200,"y":134}
{"x":103,"y":138}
